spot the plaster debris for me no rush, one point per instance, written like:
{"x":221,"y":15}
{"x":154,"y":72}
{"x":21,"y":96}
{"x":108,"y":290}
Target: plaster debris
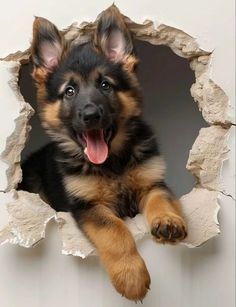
{"x":200,"y":208}
{"x":200,"y":65}
{"x":207,"y":155}
{"x":28,"y":214}
{"x":212,"y":101}
{"x":73,"y":240}
{"x":21,"y":113}
{"x":28,"y":218}
{"x":138,"y":226}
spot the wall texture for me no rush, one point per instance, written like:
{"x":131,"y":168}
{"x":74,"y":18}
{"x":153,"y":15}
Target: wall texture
{"x":180,"y":276}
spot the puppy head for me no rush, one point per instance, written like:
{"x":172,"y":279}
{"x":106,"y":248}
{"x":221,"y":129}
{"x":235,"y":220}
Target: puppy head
{"x":87,"y":93}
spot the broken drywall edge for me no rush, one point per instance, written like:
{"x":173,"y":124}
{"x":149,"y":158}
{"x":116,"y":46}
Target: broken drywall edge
{"x":202,"y":224}
{"x":75,"y":243}
{"x":29,"y":215}
{"x":213,"y":104}
{"x":19,"y":56}
{"x":212,"y":100}
{"x":180,"y":42}
{"x":207,"y":155}
{"x":15,"y":142}
{"x":73,"y":240}
{"x":14,"y":145}
{"x":28,"y":218}
{"x":200,"y":208}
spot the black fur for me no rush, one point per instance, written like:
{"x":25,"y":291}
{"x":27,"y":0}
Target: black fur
{"x":84,"y":59}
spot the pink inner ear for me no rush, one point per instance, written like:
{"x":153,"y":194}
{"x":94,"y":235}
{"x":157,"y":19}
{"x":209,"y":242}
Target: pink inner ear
{"x":50,"y":54}
{"x":115,"y":46}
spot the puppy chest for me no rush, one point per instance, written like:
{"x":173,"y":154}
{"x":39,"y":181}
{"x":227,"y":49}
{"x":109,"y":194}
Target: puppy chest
{"x":104,"y":191}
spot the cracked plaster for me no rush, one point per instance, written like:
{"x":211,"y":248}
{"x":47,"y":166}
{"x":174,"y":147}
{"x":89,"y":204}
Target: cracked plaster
{"x":29,"y":215}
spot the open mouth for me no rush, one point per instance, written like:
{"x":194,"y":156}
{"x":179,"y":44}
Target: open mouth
{"x":95,"y":143}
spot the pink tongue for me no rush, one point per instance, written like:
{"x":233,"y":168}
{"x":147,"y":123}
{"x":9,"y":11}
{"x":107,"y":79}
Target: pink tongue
{"x":97,"y":149}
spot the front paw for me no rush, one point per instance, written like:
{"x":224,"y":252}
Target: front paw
{"x":169,"y":228}
{"x":130,"y":277}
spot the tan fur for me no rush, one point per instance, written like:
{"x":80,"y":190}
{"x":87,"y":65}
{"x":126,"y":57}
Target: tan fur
{"x":143,"y":176}
{"x":39,"y":75}
{"x":103,"y":190}
{"x":68,"y":145}
{"x":50,"y":114}
{"x":129,"y":63}
{"x":164,"y":217}
{"x":93,"y":188}
{"x":118,"y":141}
{"x":76,"y":77}
{"x":130,"y":106}
{"x":118,"y":252}
{"x":94,"y":75}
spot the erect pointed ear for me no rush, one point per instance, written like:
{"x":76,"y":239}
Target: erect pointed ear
{"x":47,"y":44}
{"x":112,"y":37}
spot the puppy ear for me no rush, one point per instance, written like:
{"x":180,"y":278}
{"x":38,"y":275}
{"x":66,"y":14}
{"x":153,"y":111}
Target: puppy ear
{"x":47,"y":44}
{"x":112,"y":37}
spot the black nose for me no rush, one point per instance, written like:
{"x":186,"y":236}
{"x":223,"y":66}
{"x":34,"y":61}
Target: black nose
{"x":91,"y":115}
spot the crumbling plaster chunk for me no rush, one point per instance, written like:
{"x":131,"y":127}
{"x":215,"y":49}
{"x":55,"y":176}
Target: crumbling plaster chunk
{"x":28,"y":217}
{"x":14,"y":132}
{"x":212,"y":100}
{"x":200,"y":208}
{"x":73,"y":240}
{"x":200,"y":65}
{"x":180,"y":42}
{"x":207,"y":155}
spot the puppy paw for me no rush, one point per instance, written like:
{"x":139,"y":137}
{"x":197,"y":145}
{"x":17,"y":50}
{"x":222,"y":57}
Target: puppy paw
{"x":130,"y":277}
{"x":169,"y":228}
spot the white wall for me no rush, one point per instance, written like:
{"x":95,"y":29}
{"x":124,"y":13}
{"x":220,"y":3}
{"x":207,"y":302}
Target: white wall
{"x":181,"y":277}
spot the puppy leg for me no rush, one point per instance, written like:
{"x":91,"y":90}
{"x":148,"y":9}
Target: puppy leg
{"x":163,"y":214}
{"x":117,"y":250}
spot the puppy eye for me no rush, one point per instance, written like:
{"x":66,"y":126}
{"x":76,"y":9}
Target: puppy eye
{"x":69,"y":91}
{"x":105,"y":85}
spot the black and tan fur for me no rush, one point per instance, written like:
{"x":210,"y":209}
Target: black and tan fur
{"x":131,"y":180}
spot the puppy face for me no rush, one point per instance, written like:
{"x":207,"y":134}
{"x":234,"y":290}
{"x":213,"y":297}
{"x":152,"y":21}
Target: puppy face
{"x":86,"y":93}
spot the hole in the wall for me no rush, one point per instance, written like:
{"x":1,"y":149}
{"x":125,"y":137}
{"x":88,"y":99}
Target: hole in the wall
{"x":165,"y":79}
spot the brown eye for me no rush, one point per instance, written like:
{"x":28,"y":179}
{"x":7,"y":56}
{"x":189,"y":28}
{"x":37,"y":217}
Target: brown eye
{"x":105,"y":85}
{"x":70,"y":91}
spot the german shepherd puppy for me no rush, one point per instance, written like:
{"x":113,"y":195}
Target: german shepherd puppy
{"x":103,"y":163}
